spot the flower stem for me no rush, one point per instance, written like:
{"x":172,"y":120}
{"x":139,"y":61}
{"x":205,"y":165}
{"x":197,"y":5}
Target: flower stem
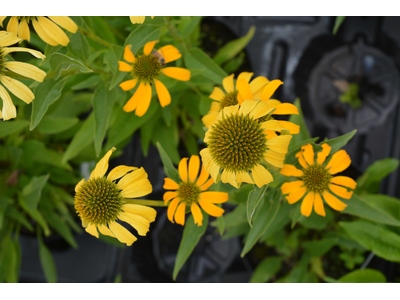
{"x":145,"y":202}
{"x":94,"y":37}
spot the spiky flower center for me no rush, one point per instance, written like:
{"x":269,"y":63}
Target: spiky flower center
{"x":229,"y":100}
{"x":316,"y":178}
{"x":188,"y":192}
{"x":237,"y":142}
{"x":98,"y":201}
{"x":146,"y":68}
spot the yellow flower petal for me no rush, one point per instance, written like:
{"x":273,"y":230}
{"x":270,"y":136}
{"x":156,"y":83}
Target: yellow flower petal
{"x":214,"y":197}
{"x":35,"y":53}
{"x":169,"y":184}
{"x":26,"y":70}
{"x":77,"y":187}
{"x":124,"y":67}
{"x":321,"y":156}
{"x":128,"y":55}
{"x":289,"y":187}
{"x":286,"y":109}
{"x":65,"y":22}
{"x":53,"y":31}
{"x":9,"y":110}
{"x":128,"y":85}
{"x":177,"y":73}
{"x":279,"y":144}
{"x":229,"y":177}
{"x":91,"y":228}
{"x":339,"y":162}
{"x":272,"y":125}
{"x":137,"y":20}
{"x":144,"y":100}
{"x":137,"y":189}
{"x":244,"y":177}
{"x":308,"y":154}
{"x":270,"y":89}
{"x":307,"y":204}
{"x":122,"y":234}
{"x":211,"y":209}
{"x":182,"y":168}
{"x":149,"y":47}
{"x":333,"y":202}
{"x":171,"y":209}
{"x":340,"y":191}
{"x":257,"y":85}
{"x":146,"y":212}
{"x":43,"y":34}
{"x":23,"y":30}
{"x":131,"y":178}
{"x":8,"y":38}
{"x":17,"y":88}
{"x":319,"y":205}
{"x":261,"y":176}
{"x":274,"y":158}
{"x":246,"y":76}
{"x":170,"y":53}
{"x":273,"y":102}
{"x":169,"y":196}
{"x":293,"y":128}
{"x":227,"y":83}
{"x":180,"y":214}
{"x":105,"y":231}
{"x":289,"y":170}
{"x":209,"y":119}
{"x":102,"y":165}
{"x":217,"y":94}
{"x":207,"y":184}
{"x":162,"y":92}
{"x":142,"y":225}
{"x":119,"y":171}
{"x":203,"y":176}
{"x":13,"y":25}
{"x":301,"y":160}
{"x":194,"y":167}
{"x":197,"y":215}
{"x":345,"y":181}
{"x":244,"y":89}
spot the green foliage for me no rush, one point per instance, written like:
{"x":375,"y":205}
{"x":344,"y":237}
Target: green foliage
{"x":47,"y":262}
{"x":266,"y":269}
{"x":338,"y":22}
{"x":253,"y":200}
{"x":363,"y":276}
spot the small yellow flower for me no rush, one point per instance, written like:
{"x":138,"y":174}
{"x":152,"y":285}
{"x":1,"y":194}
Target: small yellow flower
{"x":138,"y":20}
{"x":316,"y":180}
{"x":246,"y":93}
{"x":46,"y":27}
{"x":231,"y":96}
{"x":100,"y":201}
{"x":190,"y":193}
{"x":17,"y":88}
{"x":146,"y":69}
{"x":237,"y":148}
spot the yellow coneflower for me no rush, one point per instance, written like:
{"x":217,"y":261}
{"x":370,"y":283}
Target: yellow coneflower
{"x":138,"y":20}
{"x":17,"y":88}
{"x":237,"y":148}
{"x":100,"y":201}
{"x":316,"y":180}
{"x":246,"y":93}
{"x":190,"y":193}
{"x":46,"y":27}
{"x":145,"y":70}
{"x":231,"y":97}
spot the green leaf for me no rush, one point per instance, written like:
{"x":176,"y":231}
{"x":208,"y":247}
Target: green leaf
{"x":267,"y":268}
{"x":197,"y":59}
{"x":82,"y":139}
{"x":103,"y":101}
{"x":304,"y":134}
{"x":266,"y":214}
{"x":253,"y":200}
{"x":38,"y":217}
{"x":383,"y":203}
{"x":91,"y":82}
{"x":12,"y":126}
{"x":340,"y":141}
{"x":221,"y":225}
{"x":169,"y":168}
{"x":234,"y":64}
{"x":137,"y":38}
{"x":371,"y":179}
{"x":79,"y":46}
{"x":232,"y":48}
{"x":188,"y":24}
{"x":168,"y":138}
{"x":53,"y":125}
{"x":13,"y":213}
{"x":338,"y":22}
{"x":112,"y":56}
{"x":364,"y":276}
{"x":191,"y":236}
{"x":102,"y":29}
{"x":10,"y":259}
{"x":319,"y":248}
{"x":46,"y":94}
{"x":382,"y":242}
{"x":60,"y":62}
{"x":358,"y":206}
{"x":32,"y":192}
{"x":47,"y":262}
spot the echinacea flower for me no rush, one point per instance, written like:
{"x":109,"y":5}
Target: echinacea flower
{"x":237,"y":148}
{"x":316,"y":180}
{"x":145,"y":70}
{"x":231,"y":97}
{"x":138,"y":20}
{"x":101,"y":201}
{"x":246,"y":93}
{"x":192,"y":192}
{"x":46,"y":27}
{"x":17,"y":88}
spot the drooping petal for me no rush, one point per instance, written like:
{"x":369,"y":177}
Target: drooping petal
{"x":217,"y":94}
{"x":296,"y":195}
{"x":144,"y":102}
{"x":35,"y":53}
{"x":272,"y":125}
{"x":340,"y":191}
{"x":229,"y":177}
{"x":105,"y":231}
{"x":177,"y":73}
{"x":119,"y":171}
{"x":227,"y":83}
{"x":9,"y":110}
{"x":8,"y":39}
{"x":128,"y":55}
{"x":211,"y":209}
{"x":122,"y":234}
{"x":17,"y":88}
{"x":23,"y":30}
{"x":26,"y":70}
{"x":344,"y":181}
{"x":246,"y":75}
{"x":91,"y":228}
{"x":257,"y":85}
{"x":261,"y":176}
{"x":290,"y":170}
{"x":163,"y":94}
{"x":180,"y":214}
{"x":169,"y":184}
{"x":279,"y":144}
{"x":146,"y":212}
{"x":321,"y":156}
{"x":137,"y":20}
{"x":203,"y":176}
{"x":102,"y":165}
{"x":65,"y":22}
{"x":339,"y":162}
{"x":182,"y":168}
{"x":43,"y":34}
{"x":78,"y":186}
{"x":274,"y":158}
{"x":333,"y":202}
{"x":243,"y":177}
{"x":289,"y":187}
{"x":142,"y":225}
{"x":307,"y":204}
{"x":169,"y":196}
{"x":137,"y":189}
{"x":319,"y":205}
{"x":286,"y":109}
{"x":308,"y":154}
{"x":171,"y":209}
{"x":170,"y":53}
{"x":124,"y":67}
{"x":214,"y":197}
{"x":301,"y":159}
{"x":244,"y":89}
{"x":149,"y":47}
{"x":131,"y":178}
{"x":197,"y":215}
{"x":135,"y":99}
{"x":270,"y":89}
{"x":53,"y":31}
{"x":293,"y":128}
{"x":12,"y":25}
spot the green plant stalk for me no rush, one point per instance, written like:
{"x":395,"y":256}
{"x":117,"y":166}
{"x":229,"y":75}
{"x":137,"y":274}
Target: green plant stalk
{"x":94,"y":37}
{"x":175,"y":34}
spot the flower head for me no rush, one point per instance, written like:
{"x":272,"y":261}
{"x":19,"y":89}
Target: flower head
{"x":237,"y":148}
{"x":100,"y":201}
{"x":190,"y":193}
{"x":316,"y":180}
{"x":231,"y":97}
{"x":17,"y":88}
{"x":138,"y":20}
{"x":145,"y":70}
{"x":246,"y":92}
{"x":46,"y":27}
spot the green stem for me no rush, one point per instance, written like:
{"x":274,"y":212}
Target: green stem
{"x":174,"y":33}
{"x":145,"y":202}
{"x":94,"y":37}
